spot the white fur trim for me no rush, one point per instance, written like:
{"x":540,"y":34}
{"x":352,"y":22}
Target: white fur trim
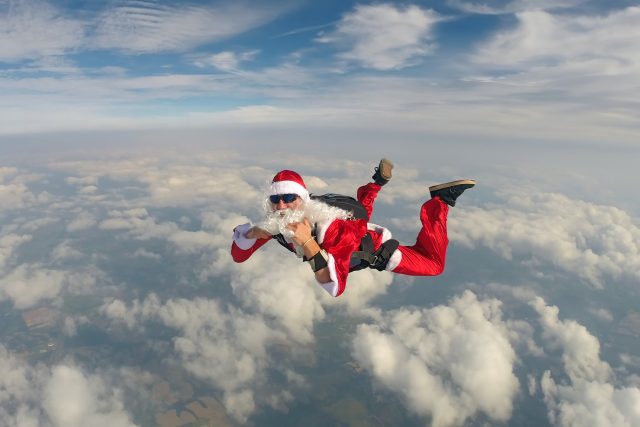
{"x":386,"y":234}
{"x":321,"y":229}
{"x":240,"y":239}
{"x":289,"y":187}
{"x":331,"y":287}
{"x":394,"y":261}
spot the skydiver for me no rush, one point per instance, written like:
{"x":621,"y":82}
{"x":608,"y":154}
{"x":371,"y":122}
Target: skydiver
{"x":335,"y":243}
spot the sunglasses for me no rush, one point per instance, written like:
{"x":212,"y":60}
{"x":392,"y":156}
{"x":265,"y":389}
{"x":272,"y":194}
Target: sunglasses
{"x":287,"y":198}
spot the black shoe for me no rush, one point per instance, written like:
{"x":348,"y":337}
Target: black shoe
{"x":450,"y":191}
{"x":383,"y":172}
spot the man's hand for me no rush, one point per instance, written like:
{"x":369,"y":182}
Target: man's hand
{"x":301,"y":231}
{"x":257,"y":233}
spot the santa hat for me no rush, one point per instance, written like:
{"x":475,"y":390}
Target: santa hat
{"x":289,"y":182}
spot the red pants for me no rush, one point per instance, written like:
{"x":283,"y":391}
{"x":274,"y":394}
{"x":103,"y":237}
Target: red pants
{"x":427,"y":256}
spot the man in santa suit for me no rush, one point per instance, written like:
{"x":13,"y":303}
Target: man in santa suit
{"x":327,"y":236}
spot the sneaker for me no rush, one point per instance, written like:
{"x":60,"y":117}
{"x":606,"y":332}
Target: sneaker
{"x":450,"y":191}
{"x":383,"y":172}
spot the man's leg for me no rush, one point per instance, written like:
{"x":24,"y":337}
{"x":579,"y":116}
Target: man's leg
{"x":367,"y":196}
{"x":427,"y":256}
{"x":367,"y":193}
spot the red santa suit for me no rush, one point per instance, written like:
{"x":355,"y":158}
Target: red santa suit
{"x":341,"y":237}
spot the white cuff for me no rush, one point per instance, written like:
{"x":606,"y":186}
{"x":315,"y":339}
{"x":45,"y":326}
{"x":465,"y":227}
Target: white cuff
{"x":240,"y":239}
{"x":394,"y":261}
{"x":331,"y":287}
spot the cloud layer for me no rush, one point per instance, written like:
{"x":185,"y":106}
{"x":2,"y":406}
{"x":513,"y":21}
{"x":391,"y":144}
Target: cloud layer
{"x":447,"y":363}
{"x":62,"y":395}
{"x":592,"y":241}
{"x":149,"y":241}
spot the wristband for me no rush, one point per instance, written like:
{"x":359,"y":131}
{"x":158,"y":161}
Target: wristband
{"x":318,"y":261}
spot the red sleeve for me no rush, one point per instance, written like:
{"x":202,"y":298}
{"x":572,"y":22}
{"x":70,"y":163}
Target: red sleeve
{"x":341,"y":239}
{"x":241,"y":255}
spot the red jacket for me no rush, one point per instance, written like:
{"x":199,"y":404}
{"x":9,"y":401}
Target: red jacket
{"x":339,"y":238}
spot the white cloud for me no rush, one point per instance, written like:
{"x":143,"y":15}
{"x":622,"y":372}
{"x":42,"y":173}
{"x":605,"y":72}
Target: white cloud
{"x":146,"y":254}
{"x":580,"y":349}
{"x":81,"y":181}
{"x":82,"y":221}
{"x":383,"y":36}
{"x":8,"y":244}
{"x":73,"y":399}
{"x":448,"y":362}
{"x":591,"y":397}
{"x":14,"y":193}
{"x":61,"y":396}
{"x":224,"y":346}
{"x":510,"y":6}
{"x":28,"y":285}
{"x":151,"y":26}
{"x":227,"y":60}
{"x":604,"y":44}
{"x":589,"y":240}
{"x":32,"y":29}
{"x":591,"y":404}
{"x":17,"y":391}
{"x":64,"y":251}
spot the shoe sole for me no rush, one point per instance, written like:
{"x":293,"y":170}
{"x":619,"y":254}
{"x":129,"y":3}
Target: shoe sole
{"x":385,"y":167}
{"x":468,"y":182}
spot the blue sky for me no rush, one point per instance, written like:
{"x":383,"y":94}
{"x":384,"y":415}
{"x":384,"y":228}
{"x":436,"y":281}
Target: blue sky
{"x":554,"y":70}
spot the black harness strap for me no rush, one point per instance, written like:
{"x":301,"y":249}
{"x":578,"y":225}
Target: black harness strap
{"x":383,"y":254}
{"x":373,"y":259}
{"x":366,"y":257}
{"x":280,"y":238}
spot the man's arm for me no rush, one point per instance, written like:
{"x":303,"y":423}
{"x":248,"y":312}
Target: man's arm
{"x":246,"y":242}
{"x":302,"y":237}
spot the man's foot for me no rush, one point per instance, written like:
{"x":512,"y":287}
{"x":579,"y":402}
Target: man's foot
{"x":449,"y":191}
{"x":383,"y":172}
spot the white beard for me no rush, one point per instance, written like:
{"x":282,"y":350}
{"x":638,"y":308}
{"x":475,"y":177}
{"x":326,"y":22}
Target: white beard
{"x":276,"y":222}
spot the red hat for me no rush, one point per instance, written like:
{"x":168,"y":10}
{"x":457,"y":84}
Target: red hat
{"x":291,"y":182}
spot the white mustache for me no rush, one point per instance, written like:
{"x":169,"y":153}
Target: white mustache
{"x":276,"y":222}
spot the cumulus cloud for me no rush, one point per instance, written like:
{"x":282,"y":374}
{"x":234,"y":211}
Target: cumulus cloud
{"x":31,"y":29}
{"x":580,"y":349}
{"x":61,"y":396}
{"x":591,"y":404}
{"x":72,"y":399}
{"x":441,"y":361}
{"x":589,"y":240}
{"x":249,"y":345}
{"x":224,"y":346}
{"x":81,"y":221}
{"x":231,"y":347}
{"x":28,"y":285}
{"x":8,"y":244}
{"x":591,"y":396}
{"x":14,"y":193}
{"x":383,"y":36}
